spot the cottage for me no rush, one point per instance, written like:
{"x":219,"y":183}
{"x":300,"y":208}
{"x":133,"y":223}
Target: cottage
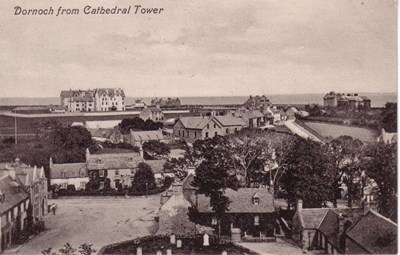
{"x":372,"y":234}
{"x":251,"y":213}
{"x":64,"y":175}
{"x":305,"y":224}
{"x":152,"y":113}
{"x":254,"y":118}
{"x":112,"y":135}
{"x":137,"y":138}
{"x":330,"y":234}
{"x":203,"y":127}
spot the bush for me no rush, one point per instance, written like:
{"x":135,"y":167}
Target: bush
{"x":71,"y":187}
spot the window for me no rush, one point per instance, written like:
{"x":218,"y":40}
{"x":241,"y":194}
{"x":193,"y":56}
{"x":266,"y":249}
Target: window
{"x":215,"y":125}
{"x":101,"y":173}
{"x":208,"y":126}
{"x":256,"y":200}
{"x":227,"y":130}
{"x":187,"y":134}
{"x":195,"y":134}
{"x":214,"y":221}
{"x":183,"y":133}
{"x":256,"y":220}
{"x":116,"y":172}
{"x":206,"y":134}
{"x":215,"y":133}
{"x":83,"y":185}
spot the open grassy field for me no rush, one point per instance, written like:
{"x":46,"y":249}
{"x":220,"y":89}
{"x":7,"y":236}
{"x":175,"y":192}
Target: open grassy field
{"x":335,"y":130}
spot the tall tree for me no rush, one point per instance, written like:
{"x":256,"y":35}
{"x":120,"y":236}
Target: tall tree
{"x":345,"y":154}
{"x":381,"y":166}
{"x":307,"y":176}
{"x":144,"y":178}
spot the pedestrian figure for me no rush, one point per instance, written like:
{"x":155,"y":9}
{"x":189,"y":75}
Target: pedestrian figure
{"x":54,"y":210}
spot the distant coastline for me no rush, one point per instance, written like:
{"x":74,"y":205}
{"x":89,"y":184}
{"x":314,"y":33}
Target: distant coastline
{"x":378,"y":99}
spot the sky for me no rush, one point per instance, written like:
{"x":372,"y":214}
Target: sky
{"x":201,"y":48}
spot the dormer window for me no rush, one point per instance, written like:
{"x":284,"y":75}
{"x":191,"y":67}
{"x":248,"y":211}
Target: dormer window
{"x":214,"y":221}
{"x":256,"y":199}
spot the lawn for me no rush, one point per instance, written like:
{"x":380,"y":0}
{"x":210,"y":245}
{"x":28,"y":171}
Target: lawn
{"x":334,"y":131}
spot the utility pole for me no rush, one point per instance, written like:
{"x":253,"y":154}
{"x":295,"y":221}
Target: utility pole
{"x":15,"y":127}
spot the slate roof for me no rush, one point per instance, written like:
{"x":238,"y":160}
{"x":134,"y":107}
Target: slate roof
{"x":311,"y":217}
{"x":101,"y":132}
{"x":242,"y":201}
{"x":330,"y":224}
{"x":82,"y":99}
{"x":371,"y":229}
{"x":12,"y":196}
{"x":111,"y":92}
{"x":147,"y":135}
{"x":195,"y":122}
{"x":113,"y":161}
{"x":157,"y":166}
{"x":230,"y":121}
{"x":72,"y":170}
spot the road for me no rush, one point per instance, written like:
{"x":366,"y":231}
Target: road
{"x":300,"y":131}
{"x":95,"y":221}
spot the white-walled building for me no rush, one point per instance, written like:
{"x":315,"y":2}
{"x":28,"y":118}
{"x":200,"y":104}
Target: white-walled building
{"x":100,"y":99}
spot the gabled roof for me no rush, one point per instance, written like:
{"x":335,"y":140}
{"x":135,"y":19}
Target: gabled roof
{"x":230,"y":121}
{"x":70,"y":170}
{"x":157,"y":166}
{"x":242,"y":201}
{"x":147,"y":135}
{"x":330,"y":224}
{"x":311,"y":217}
{"x":113,"y":161}
{"x":11,"y":195}
{"x":375,"y":233}
{"x":194,"y":122}
{"x":111,"y":92}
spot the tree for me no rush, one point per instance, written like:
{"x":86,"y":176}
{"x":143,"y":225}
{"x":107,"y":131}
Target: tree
{"x":381,"y":166}
{"x":389,"y":120}
{"x":215,"y":174}
{"x":345,"y":154}
{"x":144,"y":178}
{"x":84,"y":249}
{"x":156,"y":149}
{"x":308,"y":174}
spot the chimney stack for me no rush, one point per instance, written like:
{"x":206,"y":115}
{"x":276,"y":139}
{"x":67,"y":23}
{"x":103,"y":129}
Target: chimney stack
{"x":51,"y":162}
{"x":299,"y":205}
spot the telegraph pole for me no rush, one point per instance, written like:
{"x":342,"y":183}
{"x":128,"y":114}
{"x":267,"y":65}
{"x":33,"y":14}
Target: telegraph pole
{"x":15,"y":127}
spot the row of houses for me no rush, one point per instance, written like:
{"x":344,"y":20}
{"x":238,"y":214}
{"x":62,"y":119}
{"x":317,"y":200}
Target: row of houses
{"x":100,"y":99}
{"x":21,"y":187}
{"x":119,"y":168}
{"x":253,"y":216}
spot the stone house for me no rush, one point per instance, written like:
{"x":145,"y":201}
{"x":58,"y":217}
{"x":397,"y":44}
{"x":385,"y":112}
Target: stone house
{"x":372,"y":234}
{"x":14,"y":203}
{"x":137,"y":138}
{"x":346,"y":101}
{"x":203,"y":127}
{"x":112,"y":135}
{"x":387,"y":137}
{"x":33,"y":181}
{"x":68,"y":174}
{"x":152,"y":113}
{"x":251,"y":213}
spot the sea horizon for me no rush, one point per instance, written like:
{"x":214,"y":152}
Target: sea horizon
{"x":377,"y":99}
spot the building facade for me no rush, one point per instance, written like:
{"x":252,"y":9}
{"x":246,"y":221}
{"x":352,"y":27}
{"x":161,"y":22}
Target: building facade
{"x":203,"y":127}
{"x":152,"y":113}
{"x":100,"y":99}
{"x":257,"y":102}
{"x":349,"y":101}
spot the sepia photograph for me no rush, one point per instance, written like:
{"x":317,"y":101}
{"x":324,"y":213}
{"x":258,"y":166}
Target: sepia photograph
{"x":198,"y":127}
